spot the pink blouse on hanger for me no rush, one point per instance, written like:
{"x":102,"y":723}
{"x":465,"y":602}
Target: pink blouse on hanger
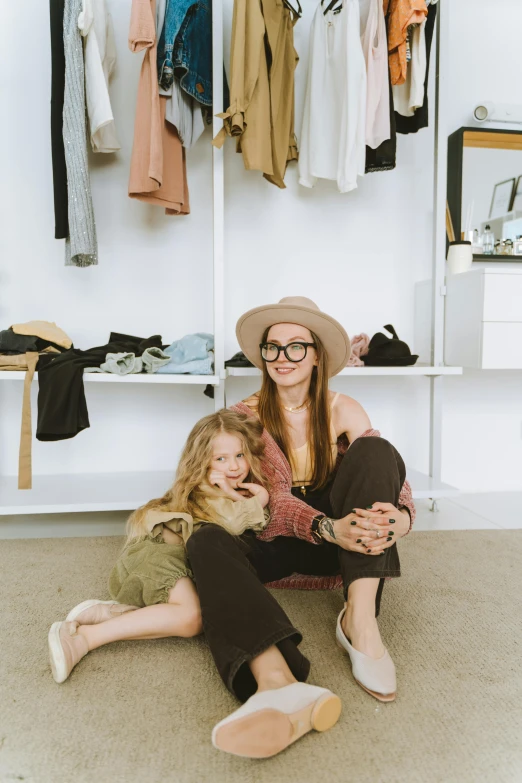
{"x":375,"y":50}
{"x":158,"y":172}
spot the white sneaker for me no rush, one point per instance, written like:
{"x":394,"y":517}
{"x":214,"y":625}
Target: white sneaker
{"x":271,"y":720}
{"x":66,"y":648}
{"x":376,"y":676}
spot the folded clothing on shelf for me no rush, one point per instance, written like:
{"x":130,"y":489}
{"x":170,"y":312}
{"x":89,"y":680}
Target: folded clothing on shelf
{"x":25,"y":348}
{"x":387,"y":351}
{"x":62,"y":408}
{"x":45,"y":330}
{"x":360,"y":344}
{"x":193,"y":354}
{"x":154,"y":359}
{"x":119,"y":364}
{"x":238,"y":360}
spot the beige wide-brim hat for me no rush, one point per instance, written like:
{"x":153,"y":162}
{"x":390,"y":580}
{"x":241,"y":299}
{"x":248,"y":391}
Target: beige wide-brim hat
{"x":294,"y":310}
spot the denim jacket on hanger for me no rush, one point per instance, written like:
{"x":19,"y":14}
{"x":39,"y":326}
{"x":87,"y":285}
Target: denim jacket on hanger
{"x":185,"y":48}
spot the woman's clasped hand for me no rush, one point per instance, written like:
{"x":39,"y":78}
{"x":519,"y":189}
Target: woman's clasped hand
{"x":369,"y":530}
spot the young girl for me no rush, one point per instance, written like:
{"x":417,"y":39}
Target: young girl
{"x":218,"y":480}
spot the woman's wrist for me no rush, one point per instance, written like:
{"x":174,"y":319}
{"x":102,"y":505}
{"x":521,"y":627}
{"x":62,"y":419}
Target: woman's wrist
{"x":323,"y":528}
{"x":327,"y":529}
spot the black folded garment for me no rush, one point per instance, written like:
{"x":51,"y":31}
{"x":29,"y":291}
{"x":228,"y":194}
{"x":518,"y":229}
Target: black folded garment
{"x":388,"y":351}
{"x":14,"y":344}
{"x":238,"y":360}
{"x":62,"y":407}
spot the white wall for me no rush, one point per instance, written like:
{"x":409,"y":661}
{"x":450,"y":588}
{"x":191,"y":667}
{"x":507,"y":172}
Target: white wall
{"x":358,"y":255}
{"x":482,"y":447}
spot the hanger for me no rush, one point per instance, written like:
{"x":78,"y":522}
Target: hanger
{"x":290,"y":7}
{"x":332,"y":6}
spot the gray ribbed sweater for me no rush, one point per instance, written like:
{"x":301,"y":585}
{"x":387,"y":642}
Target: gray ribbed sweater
{"x":81,"y":247}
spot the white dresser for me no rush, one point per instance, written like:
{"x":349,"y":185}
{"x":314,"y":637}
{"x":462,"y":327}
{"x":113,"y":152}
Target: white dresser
{"x":483,"y":324}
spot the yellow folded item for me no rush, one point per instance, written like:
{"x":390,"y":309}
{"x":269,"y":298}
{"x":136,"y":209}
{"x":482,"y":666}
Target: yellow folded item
{"x":27,"y":362}
{"x":46,"y":330}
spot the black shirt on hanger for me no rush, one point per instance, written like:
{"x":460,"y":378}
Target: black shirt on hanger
{"x":61,"y":215}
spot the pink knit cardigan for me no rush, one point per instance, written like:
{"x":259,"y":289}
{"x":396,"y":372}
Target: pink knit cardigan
{"x":290,"y":516}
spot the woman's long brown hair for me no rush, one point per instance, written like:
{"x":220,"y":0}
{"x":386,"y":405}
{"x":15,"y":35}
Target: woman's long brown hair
{"x":270,"y":413}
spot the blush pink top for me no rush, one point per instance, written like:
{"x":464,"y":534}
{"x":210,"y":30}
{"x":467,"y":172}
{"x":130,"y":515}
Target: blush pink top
{"x":158,"y":171}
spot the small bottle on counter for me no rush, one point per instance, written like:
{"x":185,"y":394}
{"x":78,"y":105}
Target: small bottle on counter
{"x":488,"y":241}
{"x":517,"y":248}
{"x":508,"y":247}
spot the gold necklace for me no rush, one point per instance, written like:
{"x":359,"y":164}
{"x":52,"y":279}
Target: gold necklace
{"x":298,"y":408}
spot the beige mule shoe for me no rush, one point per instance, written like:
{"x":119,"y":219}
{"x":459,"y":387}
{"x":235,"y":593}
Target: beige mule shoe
{"x":376,"y":676}
{"x":272,"y":720}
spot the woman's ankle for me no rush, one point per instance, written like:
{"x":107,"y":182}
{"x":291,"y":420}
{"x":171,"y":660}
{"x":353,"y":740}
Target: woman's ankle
{"x":275,"y":679}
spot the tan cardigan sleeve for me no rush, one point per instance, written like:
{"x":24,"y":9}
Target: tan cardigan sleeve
{"x":240,"y":515}
{"x":247,"y":49}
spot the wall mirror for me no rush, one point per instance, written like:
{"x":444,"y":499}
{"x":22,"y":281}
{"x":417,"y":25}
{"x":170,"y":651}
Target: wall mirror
{"x":485,"y":190}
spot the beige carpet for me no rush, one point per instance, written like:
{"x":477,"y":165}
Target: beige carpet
{"x":142,"y":712}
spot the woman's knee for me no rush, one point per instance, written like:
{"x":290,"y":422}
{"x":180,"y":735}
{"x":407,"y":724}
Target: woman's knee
{"x":376,"y":450}
{"x":371,"y":445}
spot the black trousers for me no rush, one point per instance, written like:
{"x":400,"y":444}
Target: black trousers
{"x":241,"y":618}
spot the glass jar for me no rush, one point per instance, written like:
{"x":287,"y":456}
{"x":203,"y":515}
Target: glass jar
{"x":508,"y":247}
{"x":517,"y":248}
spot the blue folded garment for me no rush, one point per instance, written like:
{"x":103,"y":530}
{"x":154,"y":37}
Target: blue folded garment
{"x":193,"y":354}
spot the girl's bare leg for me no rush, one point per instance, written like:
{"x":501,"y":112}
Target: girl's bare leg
{"x":181,"y":616}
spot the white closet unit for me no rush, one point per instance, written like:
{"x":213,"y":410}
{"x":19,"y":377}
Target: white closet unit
{"x":77,"y":492}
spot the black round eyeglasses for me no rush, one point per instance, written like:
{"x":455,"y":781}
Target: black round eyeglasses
{"x":294,"y":352}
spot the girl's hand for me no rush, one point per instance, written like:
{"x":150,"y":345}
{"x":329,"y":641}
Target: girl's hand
{"x":217,"y":478}
{"x":258,"y":491}
{"x":385,"y":523}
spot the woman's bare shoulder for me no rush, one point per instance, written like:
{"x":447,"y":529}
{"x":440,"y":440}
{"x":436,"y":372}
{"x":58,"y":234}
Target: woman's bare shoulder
{"x":349,"y":417}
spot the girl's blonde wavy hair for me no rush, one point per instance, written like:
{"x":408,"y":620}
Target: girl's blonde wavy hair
{"x":191,"y":490}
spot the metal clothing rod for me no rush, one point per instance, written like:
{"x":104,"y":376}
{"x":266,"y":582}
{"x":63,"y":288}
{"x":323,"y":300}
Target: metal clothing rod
{"x":439,"y":241}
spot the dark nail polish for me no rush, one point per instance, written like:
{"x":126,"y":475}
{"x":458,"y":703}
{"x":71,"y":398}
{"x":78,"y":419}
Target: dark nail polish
{"x":353,"y":523}
{"x":392,"y":521}
{"x":383,"y":553}
{"x":391,"y":533}
{"x":367,"y":507}
{"x":353,"y":511}
{"x":389,"y":538}
{"x":358,"y":541}
{"x":368,"y":551}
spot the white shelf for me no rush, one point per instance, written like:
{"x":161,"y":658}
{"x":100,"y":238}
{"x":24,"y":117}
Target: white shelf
{"x":416,"y":369}
{"x":77,"y":492}
{"x":97,"y":377}
{"x":82,"y":492}
{"x":424,"y":486}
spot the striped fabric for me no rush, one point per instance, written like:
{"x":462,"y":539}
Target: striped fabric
{"x":293,"y":517}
